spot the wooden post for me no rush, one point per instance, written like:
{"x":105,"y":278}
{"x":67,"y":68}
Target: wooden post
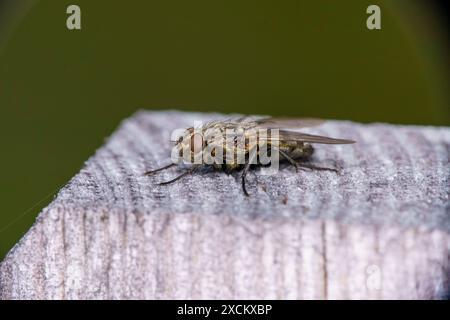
{"x":378,"y":230}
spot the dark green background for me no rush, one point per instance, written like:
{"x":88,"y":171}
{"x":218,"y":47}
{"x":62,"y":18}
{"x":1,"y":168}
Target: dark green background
{"x":62,"y":92}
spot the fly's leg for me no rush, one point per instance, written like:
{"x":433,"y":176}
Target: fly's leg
{"x":288,"y":158}
{"x":304,"y":165}
{"x":252,"y":155}
{"x":243,"y":182}
{"x":313,"y":167}
{"x":189,"y":171}
{"x":148,"y":173}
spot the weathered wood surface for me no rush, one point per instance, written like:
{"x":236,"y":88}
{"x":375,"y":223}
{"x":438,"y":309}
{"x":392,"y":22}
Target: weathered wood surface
{"x":380,"y":229}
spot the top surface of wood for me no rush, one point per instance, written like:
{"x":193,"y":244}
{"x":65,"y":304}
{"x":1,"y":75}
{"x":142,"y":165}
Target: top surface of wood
{"x":392,"y":175}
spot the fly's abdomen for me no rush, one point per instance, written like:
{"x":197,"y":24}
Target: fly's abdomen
{"x":297,"y":150}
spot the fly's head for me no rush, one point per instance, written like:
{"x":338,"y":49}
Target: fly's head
{"x":190,"y":144}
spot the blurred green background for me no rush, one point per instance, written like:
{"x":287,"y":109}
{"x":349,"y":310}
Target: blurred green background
{"x":62,"y":92}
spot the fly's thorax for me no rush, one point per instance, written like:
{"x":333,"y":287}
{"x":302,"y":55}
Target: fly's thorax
{"x":227,"y":143}
{"x":228,"y":167}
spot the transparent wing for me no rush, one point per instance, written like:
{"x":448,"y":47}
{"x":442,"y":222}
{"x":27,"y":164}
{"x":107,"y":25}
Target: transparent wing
{"x":288,"y":123}
{"x":285,"y":135}
{"x":246,"y":119}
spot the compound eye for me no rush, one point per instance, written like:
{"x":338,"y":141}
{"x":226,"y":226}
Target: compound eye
{"x":196,"y":143}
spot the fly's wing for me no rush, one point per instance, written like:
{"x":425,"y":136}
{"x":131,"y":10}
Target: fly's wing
{"x":288,"y":123}
{"x":285,"y":135}
{"x":245,"y":119}
{"x":292,"y":123}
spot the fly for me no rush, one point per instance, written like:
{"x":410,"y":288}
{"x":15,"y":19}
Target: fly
{"x":238,"y":144}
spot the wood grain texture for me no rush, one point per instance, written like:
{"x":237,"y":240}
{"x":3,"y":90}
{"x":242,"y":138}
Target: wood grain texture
{"x":379,"y":230}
